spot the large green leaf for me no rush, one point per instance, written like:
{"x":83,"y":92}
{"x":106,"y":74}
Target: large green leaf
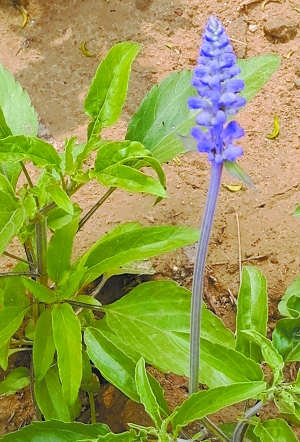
{"x":43,"y":346}
{"x":206,"y":402}
{"x":164,"y":112}
{"x":60,"y":251}
{"x":57,"y":431}
{"x":159,"y":314}
{"x":113,"y":363}
{"x":15,"y":103}
{"x":116,"y":165}
{"x":50,"y":398}
{"x":275,"y":430}
{"x":21,"y":148}
{"x":140,"y":243}
{"x":17,"y":379}
{"x":67,"y":339}
{"x":10,"y":320}
{"x":12,"y":171}
{"x":108,"y":90}
{"x":286,"y":339}
{"x":252,"y":311}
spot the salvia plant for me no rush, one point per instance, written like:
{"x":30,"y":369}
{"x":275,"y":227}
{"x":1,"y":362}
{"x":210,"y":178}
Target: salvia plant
{"x":46,"y":309}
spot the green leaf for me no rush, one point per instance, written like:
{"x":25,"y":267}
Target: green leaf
{"x":269,"y":353}
{"x":4,"y":129}
{"x":286,"y":339}
{"x":115,"y":365}
{"x":256,"y":72}
{"x":12,"y":172}
{"x":288,"y":404}
{"x":50,"y":398}
{"x":56,"y":431}
{"x":116,"y":165}
{"x":297,"y":212}
{"x":14,"y":292}
{"x":21,"y":148}
{"x":275,"y":430}
{"x":237,"y":172}
{"x":12,"y":214}
{"x":67,"y":339}
{"x":15,"y":380}
{"x":10,"y":320}
{"x":70,"y":287}
{"x":141,"y":243}
{"x":290,"y":309}
{"x":60,"y":197}
{"x":43,"y":346}
{"x":206,"y":402}
{"x":40,"y":292}
{"x":163,"y":113}
{"x":4,"y":353}
{"x":159,"y":313}
{"x":67,"y":156}
{"x":108,"y":90}
{"x":15,"y":103}
{"x":128,"y":436}
{"x":252,"y":311}
{"x":60,"y":251}
{"x":146,"y":393}
{"x":58,"y":218}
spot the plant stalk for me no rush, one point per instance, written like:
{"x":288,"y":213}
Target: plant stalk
{"x":95,"y":207}
{"x":241,"y":428}
{"x":198,"y":278}
{"x":41,"y":249}
{"x":17,"y":258}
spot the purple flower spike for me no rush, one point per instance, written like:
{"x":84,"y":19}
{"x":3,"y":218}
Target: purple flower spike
{"x":217,"y":95}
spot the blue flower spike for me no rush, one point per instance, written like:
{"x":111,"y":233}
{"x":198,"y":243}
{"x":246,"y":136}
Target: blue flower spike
{"x":218,"y":100}
{"x":218,"y":95}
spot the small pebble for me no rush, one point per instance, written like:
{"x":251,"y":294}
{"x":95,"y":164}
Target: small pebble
{"x":297,"y":84}
{"x":252,"y":28}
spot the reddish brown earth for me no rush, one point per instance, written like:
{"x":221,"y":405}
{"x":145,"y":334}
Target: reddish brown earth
{"x":45,"y":57}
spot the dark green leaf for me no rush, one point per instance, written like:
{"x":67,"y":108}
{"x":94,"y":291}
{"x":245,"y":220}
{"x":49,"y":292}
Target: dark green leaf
{"x":60,"y":251}
{"x":275,"y":430}
{"x":21,"y":148}
{"x":14,"y":381}
{"x":57,"y":431}
{"x":115,"y":365}
{"x":252,"y":311}
{"x":50,"y":398}
{"x":108,"y":90}
{"x":43,"y":346}
{"x":40,"y":292}
{"x":67,"y":339}
{"x":15,"y":103}
{"x":286,"y":339}
{"x":141,"y":243}
{"x":206,"y":402}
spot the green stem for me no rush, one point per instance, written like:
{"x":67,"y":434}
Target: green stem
{"x":26,"y":174}
{"x":96,"y":206}
{"x":92,"y":408}
{"x":11,"y":274}
{"x":41,"y":249}
{"x":10,"y":255}
{"x":241,"y":428}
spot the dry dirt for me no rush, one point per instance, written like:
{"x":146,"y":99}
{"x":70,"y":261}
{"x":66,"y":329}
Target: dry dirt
{"x":45,"y":57}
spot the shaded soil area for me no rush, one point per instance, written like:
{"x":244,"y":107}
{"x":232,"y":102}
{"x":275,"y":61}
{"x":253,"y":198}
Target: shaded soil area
{"x":45,"y":58}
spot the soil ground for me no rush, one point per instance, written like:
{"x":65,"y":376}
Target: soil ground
{"x":45,"y":58}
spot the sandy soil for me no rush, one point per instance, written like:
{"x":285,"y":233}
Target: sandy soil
{"x":45,"y":57}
